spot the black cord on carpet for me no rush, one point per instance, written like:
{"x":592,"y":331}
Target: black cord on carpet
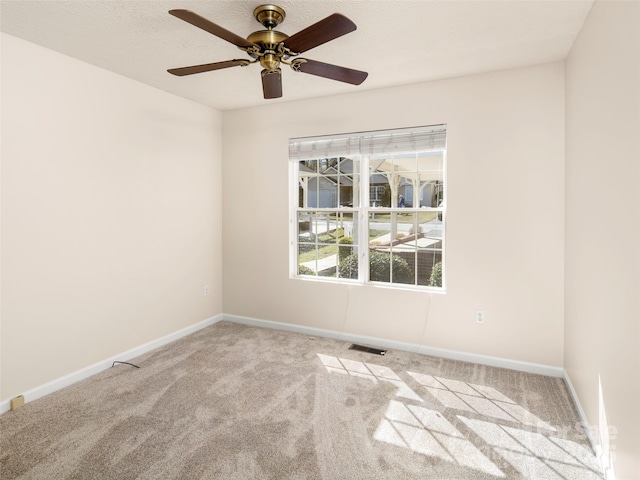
{"x":126,"y":363}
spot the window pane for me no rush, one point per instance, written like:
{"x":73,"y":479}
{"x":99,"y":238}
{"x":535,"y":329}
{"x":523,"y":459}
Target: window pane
{"x":307,"y":169}
{"x":348,"y":166}
{"x":431,"y":225}
{"x":404,"y":164}
{"x":379,"y":228}
{"x":306,"y":263}
{"x":327,"y":228}
{"x":306,"y":259}
{"x":328,"y":165}
{"x":328,"y":183}
{"x":324,"y":189}
{"x":430,"y":267}
{"x":380,"y":265}
{"x":347,"y":262}
{"x":430,"y":252}
{"x":431,"y":162}
{"x":392,"y":245}
{"x":348,"y":182}
{"x":417,"y":180}
{"x":322,"y":223}
{"x":308,"y":166}
{"x":347,"y":246}
{"x":431,"y":176}
{"x":379,"y":191}
{"x":411,"y":243}
{"x":407,"y":225}
{"x":403,"y":267}
{"x":304,"y":225}
{"x":326,"y":240}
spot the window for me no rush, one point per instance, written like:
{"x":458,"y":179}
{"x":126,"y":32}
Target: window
{"x":370,"y":207}
{"x":376,"y":193}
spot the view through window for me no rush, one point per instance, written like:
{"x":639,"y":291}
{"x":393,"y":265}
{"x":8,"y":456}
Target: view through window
{"x":370,"y":207}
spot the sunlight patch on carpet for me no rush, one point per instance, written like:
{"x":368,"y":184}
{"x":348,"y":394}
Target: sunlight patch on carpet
{"x":369,"y":371}
{"x":534,"y":454}
{"x":477,"y":399}
{"x":427,"y":432}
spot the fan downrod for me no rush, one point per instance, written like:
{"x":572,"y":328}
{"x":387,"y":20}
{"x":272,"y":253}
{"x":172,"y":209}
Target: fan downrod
{"x":270,"y":16}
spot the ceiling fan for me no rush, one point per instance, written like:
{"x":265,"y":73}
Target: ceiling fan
{"x":272,"y":48}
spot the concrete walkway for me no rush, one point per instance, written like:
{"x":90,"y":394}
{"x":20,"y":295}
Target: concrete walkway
{"x":323,"y":264}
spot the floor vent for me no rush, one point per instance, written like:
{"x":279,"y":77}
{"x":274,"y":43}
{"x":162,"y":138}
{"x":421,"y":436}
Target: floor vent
{"x":364,"y":348}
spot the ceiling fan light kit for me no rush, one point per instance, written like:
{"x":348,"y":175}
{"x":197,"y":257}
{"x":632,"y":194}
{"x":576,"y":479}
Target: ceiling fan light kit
{"x":272,"y":48}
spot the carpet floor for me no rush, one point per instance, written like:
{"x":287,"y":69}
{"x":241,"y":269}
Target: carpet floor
{"x":237,"y":402}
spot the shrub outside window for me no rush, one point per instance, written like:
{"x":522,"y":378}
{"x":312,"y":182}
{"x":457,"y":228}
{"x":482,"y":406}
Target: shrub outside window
{"x":370,"y":207}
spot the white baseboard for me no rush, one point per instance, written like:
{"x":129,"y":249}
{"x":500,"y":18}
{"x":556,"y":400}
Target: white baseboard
{"x":608,"y":473}
{"x":581,"y":414}
{"x":528,"y":367}
{"x":519,"y":365}
{"x":86,"y":372}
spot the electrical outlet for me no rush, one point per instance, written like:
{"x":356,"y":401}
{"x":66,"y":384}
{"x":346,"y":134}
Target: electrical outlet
{"x":479,"y":316}
{"x":206,"y":290}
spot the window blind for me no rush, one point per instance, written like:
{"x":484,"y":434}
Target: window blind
{"x":404,"y":140}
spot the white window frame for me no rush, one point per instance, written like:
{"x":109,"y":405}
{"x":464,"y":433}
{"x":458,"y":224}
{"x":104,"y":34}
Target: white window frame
{"x":363,"y":212}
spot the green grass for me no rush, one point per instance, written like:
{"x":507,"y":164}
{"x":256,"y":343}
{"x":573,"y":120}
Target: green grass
{"x":323,"y":251}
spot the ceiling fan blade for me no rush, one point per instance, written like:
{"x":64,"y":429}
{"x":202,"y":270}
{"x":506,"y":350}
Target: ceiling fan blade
{"x":207,"y":67}
{"x":333,"y":72}
{"x":272,"y":84}
{"x":332,"y":27}
{"x":204,"y":24}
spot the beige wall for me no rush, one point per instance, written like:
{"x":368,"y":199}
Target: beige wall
{"x":505,"y":231}
{"x":602,"y":336}
{"x":110,"y":214}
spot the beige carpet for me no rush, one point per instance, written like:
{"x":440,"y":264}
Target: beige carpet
{"x":238,"y":402}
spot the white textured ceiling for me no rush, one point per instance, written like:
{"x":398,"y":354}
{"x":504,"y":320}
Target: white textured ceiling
{"x":397,"y":41}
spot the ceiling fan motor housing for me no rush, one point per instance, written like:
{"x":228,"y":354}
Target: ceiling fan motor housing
{"x":268,"y":41}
